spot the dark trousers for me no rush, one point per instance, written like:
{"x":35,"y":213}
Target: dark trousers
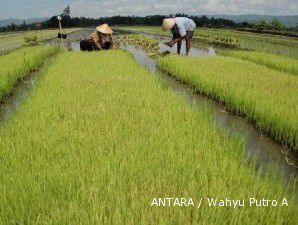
{"x":87,"y":46}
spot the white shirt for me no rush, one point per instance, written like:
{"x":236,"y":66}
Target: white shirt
{"x":184,"y":24}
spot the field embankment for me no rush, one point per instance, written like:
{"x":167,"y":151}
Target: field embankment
{"x":277,"y":62}
{"x":17,"y":64}
{"x":267,"y":97}
{"x":99,"y":138}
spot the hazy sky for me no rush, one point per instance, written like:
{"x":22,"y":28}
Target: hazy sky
{"x":99,"y":8}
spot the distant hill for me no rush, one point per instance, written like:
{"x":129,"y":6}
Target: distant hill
{"x":289,"y":21}
{"x":6,"y":22}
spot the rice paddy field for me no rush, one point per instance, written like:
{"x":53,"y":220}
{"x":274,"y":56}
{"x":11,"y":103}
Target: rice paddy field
{"x":102,"y":140}
{"x":13,"y":40}
{"x":275,"y":44}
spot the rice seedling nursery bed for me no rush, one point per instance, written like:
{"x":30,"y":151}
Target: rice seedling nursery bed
{"x":277,"y":62}
{"x":19,"y":63}
{"x":267,"y":97}
{"x":99,"y":138}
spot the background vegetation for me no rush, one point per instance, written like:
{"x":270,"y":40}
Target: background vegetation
{"x":274,"y":26}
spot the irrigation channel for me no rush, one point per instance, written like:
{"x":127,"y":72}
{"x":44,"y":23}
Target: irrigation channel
{"x":258,"y":146}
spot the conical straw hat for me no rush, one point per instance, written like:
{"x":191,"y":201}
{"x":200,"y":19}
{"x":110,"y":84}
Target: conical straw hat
{"x":168,"y":24}
{"x":104,"y":28}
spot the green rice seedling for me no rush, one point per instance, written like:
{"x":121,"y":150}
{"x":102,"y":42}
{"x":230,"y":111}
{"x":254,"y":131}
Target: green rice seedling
{"x":17,"y":64}
{"x":226,"y":42}
{"x":277,"y":62}
{"x":267,"y":97}
{"x":30,"y":40}
{"x":99,"y":138}
{"x":149,"y":44}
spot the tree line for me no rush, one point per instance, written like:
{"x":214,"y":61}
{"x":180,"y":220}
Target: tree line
{"x":155,"y":20}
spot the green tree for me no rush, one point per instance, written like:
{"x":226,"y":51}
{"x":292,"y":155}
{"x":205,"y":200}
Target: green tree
{"x":277,"y":25}
{"x":263,"y":25}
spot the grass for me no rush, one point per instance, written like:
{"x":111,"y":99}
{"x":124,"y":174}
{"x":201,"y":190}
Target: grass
{"x":267,"y":97}
{"x":249,"y":41}
{"x":277,"y":62}
{"x":17,"y":64}
{"x":12,"y":40}
{"x":99,"y":138}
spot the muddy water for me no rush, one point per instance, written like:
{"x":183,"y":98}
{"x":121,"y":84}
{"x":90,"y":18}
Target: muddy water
{"x":72,"y":42}
{"x":197,"y":50}
{"x":20,"y":93}
{"x":263,"y":148}
{"x":256,"y":145}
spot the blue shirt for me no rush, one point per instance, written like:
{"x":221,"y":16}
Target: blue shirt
{"x":184,"y":25}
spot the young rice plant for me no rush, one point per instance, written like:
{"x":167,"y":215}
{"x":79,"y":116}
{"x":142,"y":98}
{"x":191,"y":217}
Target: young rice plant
{"x":277,"y":62}
{"x":17,"y":64}
{"x":265,"y":96}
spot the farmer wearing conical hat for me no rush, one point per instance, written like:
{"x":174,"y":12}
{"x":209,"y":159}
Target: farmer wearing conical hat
{"x":101,"y":39}
{"x":181,"y":28}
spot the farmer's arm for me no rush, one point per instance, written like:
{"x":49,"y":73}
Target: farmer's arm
{"x":182,"y":33}
{"x":98,"y":45}
{"x":176,"y":40}
{"x":112,"y":44}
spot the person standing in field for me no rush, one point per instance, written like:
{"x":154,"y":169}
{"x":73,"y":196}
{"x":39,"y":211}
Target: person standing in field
{"x":181,"y":28}
{"x":101,"y":39}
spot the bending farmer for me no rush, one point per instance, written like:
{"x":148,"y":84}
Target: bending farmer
{"x":101,"y":39}
{"x":181,"y":28}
